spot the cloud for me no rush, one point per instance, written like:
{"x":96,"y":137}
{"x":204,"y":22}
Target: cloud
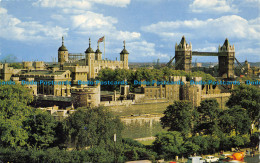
{"x":206,"y":49}
{"x":213,"y":6}
{"x":98,"y":24}
{"x":80,"y":4}
{"x":231,"y":26}
{"x":142,"y":50}
{"x":11,"y":28}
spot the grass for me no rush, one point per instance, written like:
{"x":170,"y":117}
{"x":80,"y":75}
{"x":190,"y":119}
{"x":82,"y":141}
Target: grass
{"x":147,"y":142}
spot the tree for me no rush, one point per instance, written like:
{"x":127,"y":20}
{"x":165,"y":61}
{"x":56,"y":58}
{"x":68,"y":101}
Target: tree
{"x":169,"y":144}
{"x":235,"y":118}
{"x":202,"y":142}
{"x":21,"y":125}
{"x":93,"y":127}
{"x":14,"y":100}
{"x":13,"y":111}
{"x":178,"y":117}
{"x":40,"y":126}
{"x":208,"y":117}
{"x":248,"y":97}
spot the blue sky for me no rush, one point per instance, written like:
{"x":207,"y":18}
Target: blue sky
{"x":32,"y":29}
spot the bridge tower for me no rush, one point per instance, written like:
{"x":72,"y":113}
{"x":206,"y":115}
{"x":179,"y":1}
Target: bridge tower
{"x":226,"y":60}
{"x":183,"y":55}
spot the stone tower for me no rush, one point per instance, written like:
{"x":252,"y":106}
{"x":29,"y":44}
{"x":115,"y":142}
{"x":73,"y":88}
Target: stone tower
{"x":89,"y":60}
{"x":226,"y":60}
{"x":183,"y":55}
{"x":124,"y":57}
{"x":63,"y":54}
{"x":98,"y":54}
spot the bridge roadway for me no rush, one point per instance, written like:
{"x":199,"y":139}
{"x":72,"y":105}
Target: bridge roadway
{"x":196,"y":53}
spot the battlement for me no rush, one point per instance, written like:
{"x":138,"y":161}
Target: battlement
{"x":181,"y":47}
{"x":215,"y":95}
{"x":89,"y":89}
{"x":226,"y":48}
{"x":107,"y":61}
{"x":177,"y":78}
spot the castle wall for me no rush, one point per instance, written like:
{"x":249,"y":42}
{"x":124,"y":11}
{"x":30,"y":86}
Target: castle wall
{"x":221,"y":98}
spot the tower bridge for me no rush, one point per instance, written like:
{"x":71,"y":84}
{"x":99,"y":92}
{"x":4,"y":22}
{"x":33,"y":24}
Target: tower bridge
{"x":225,"y":54}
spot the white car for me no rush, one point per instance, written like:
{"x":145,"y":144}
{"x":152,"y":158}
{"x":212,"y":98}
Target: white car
{"x":211,"y":159}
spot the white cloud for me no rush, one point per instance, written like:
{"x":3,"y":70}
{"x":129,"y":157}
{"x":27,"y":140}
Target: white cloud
{"x":231,"y":26}
{"x":213,"y":6}
{"x":98,"y":24}
{"x":141,"y":50}
{"x":91,"y":20}
{"x":14,"y":29}
{"x":80,"y":4}
{"x":117,"y":3}
{"x":207,"y":49}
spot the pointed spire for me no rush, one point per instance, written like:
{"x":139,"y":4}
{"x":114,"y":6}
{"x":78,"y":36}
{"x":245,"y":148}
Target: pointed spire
{"x":62,"y":48}
{"x":89,"y":49}
{"x":124,"y":51}
{"x":183,"y":40}
{"x":226,"y":43}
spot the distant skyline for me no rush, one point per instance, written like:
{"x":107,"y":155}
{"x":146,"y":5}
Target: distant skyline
{"x":32,"y":29}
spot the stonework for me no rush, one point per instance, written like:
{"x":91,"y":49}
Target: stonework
{"x":225,"y":54}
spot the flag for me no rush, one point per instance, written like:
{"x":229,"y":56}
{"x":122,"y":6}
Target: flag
{"x":101,"y":39}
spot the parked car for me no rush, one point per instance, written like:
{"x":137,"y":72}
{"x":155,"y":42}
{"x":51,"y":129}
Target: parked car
{"x":211,"y":159}
{"x":195,"y":159}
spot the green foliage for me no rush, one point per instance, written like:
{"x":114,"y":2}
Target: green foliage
{"x":13,"y":111}
{"x":16,"y":65}
{"x":92,"y":127}
{"x":133,"y":150}
{"x":235,"y":118}
{"x":12,"y":132}
{"x":254,"y":139}
{"x":190,"y":148}
{"x":237,"y":141}
{"x":14,"y":100}
{"x":178,"y":117}
{"x":140,"y":74}
{"x":201,"y":142}
{"x":213,"y":142}
{"x":41,"y":129}
{"x":21,"y":125}
{"x":169,"y":144}
{"x":208,"y":117}
{"x":247,"y":96}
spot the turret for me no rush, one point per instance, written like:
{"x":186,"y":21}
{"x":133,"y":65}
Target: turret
{"x":89,"y":60}
{"x":183,"y":55}
{"x":98,"y":54}
{"x":63,"y":54}
{"x":226,"y":60}
{"x":124,"y":57}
